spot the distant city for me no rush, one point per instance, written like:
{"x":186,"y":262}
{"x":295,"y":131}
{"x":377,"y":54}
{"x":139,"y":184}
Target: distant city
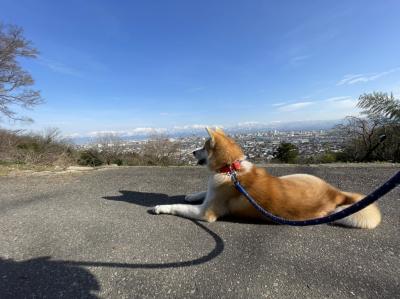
{"x":258,"y":146}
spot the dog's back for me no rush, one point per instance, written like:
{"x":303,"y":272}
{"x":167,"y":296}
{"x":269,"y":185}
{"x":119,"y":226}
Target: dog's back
{"x":299,"y":197}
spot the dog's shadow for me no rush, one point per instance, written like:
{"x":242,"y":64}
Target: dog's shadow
{"x":149,"y":200}
{"x":146,"y":199}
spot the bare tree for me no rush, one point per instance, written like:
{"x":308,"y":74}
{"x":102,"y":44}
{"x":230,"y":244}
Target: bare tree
{"x":362,"y":136}
{"x":14,"y":81}
{"x":51,"y":135}
{"x":160,"y":150}
{"x":110,"y":146}
{"x":8,"y":142}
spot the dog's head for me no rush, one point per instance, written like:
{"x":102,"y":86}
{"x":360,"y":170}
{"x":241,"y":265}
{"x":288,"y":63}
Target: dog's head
{"x":218,"y":151}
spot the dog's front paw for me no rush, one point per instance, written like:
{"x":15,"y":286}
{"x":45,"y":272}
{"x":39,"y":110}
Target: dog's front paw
{"x":156,"y":210}
{"x":161,"y":209}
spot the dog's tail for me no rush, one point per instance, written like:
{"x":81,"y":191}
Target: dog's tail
{"x":369,"y":217}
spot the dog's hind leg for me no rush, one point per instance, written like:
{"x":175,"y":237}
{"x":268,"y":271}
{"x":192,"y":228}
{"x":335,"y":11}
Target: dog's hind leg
{"x":196,"y":196}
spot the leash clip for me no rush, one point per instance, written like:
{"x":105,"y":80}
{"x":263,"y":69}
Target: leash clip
{"x":232,"y":174}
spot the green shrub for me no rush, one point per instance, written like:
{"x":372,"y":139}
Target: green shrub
{"x":287,"y":153}
{"x":344,"y":156}
{"x":89,"y":158}
{"x":118,"y":161}
{"x":328,"y":157}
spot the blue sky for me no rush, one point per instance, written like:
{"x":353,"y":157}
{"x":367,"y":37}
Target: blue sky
{"x":121,"y":65}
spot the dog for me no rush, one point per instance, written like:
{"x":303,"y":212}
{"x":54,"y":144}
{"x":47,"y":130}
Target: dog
{"x":294,"y":197}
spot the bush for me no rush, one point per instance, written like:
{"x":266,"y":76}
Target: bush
{"x":343,"y":157}
{"x":328,"y":157}
{"x":118,"y":161}
{"x":89,"y":158}
{"x":47,"y":149}
{"x":110,"y":148}
{"x":287,"y":153}
{"x":131,"y":159}
{"x":159,"y":150}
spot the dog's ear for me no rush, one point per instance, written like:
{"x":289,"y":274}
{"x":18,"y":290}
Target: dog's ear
{"x":219,"y":130}
{"x":211,"y":133}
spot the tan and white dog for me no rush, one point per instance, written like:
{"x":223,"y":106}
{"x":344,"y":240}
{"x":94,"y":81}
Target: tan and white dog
{"x":295,"y":197}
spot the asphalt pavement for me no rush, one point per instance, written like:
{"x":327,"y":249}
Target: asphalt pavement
{"x":89,"y":235}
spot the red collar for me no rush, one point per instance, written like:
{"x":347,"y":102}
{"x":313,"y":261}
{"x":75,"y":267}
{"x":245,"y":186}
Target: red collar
{"x":228,"y":168}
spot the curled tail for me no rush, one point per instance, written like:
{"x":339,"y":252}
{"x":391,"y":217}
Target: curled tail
{"x":369,"y":217}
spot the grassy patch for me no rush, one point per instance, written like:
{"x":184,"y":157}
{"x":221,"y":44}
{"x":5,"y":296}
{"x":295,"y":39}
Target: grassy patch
{"x":7,"y":168}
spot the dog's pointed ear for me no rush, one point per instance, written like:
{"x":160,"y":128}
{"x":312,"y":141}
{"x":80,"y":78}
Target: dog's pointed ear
{"x":219,"y":130}
{"x":211,"y":133}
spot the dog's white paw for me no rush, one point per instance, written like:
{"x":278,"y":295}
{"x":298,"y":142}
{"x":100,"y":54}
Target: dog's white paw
{"x":161,"y":209}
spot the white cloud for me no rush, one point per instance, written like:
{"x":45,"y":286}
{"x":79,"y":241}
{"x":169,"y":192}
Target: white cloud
{"x":344,"y":102}
{"x":337,"y":99}
{"x":350,"y":79}
{"x":279,"y":104}
{"x":328,"y":108}
{"x":294,"y":107}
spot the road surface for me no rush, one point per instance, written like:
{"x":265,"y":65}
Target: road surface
{"x":89,"y":235}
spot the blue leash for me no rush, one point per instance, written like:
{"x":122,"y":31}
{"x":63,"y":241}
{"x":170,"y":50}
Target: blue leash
{"x":392,"y":183}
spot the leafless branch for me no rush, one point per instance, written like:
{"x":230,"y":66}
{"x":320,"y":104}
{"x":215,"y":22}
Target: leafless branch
{"x":13,"y":79}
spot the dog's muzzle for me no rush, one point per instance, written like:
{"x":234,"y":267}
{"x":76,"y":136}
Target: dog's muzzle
{"x":199,"y":155}
{"x":202,"y":162}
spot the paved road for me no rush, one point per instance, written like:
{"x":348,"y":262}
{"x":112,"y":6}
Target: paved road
{"x":89,"y":235}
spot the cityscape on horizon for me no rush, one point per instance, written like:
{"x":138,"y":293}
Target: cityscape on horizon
{"x":259,"y":146}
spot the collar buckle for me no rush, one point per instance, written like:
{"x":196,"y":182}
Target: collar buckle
{"x":233,"y":175}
